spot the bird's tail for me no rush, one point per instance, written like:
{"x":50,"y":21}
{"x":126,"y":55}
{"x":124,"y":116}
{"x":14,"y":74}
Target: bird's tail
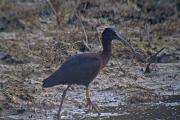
{"x":51,"y":81}
{"x":48,"y":83}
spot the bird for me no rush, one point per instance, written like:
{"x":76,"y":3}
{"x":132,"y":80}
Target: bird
{"x":82,"y":69}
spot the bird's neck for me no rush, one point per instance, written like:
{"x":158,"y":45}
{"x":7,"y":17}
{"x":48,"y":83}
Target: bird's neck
{"x":106,"y":43}
{"x":106,"y":53}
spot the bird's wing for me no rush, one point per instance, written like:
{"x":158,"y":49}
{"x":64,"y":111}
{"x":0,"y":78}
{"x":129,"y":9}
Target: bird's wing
{"x":79,"y":69}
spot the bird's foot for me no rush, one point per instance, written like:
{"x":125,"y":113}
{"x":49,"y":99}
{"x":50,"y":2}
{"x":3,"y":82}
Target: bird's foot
{"x":89,"y":103}
{"x":91,"y":106}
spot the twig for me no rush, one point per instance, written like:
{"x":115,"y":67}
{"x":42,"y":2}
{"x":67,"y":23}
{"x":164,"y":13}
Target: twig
{"x":54,"y":11}
{"x":50,"y":4}
{"x":151,"y":59}
{"x":120,"y":67}
{"x":85,"y":33}
{"x":99,"y":38}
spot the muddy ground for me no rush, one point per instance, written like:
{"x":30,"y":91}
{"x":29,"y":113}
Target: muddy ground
{"x":33,"y":44}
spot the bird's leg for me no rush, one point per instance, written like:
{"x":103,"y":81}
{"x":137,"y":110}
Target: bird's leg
{"x":88,"y":94}
{"x":89,"y":102}
{"x":63,"y":96}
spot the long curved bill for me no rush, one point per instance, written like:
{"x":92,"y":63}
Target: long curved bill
{"x":124,"y":41}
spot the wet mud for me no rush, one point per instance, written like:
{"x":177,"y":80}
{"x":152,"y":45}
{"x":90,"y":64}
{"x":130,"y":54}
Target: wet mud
{"x":32,"y":47}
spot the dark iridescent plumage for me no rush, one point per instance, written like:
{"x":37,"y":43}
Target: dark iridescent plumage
{"x":81,"y":69}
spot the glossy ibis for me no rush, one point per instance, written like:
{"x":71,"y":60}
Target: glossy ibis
{"x":81,"y":69}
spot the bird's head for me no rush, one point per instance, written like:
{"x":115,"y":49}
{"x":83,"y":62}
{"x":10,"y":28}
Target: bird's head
{"x":110,"y":34}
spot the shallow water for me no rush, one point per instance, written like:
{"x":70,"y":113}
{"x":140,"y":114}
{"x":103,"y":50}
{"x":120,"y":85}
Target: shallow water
{"x":151,"y":111}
